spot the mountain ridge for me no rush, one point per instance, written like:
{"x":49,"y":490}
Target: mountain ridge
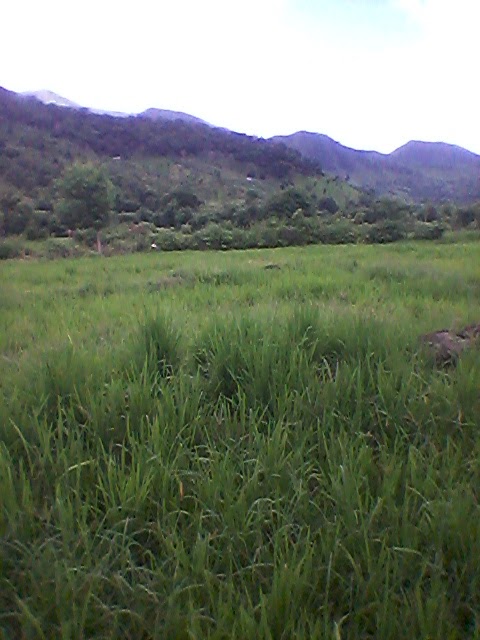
{"x":155,"y":113}
{"x":48,"y":97}
{"x":417,"y":171}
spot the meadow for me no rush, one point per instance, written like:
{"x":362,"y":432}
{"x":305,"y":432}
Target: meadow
{"x":243,"y":444}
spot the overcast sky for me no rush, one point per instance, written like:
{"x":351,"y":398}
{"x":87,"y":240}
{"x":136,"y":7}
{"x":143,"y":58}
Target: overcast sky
{"x":369,"y":73}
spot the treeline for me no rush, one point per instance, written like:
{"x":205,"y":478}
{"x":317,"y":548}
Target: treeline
{"x":86,"y":197}
{"x":84,"y":213}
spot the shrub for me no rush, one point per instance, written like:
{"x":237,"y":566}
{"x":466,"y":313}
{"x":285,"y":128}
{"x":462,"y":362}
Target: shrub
{"x":59,"y":248}
{"x":386,"y":231}
{"x":10,"y":249}
{"x":86,"y":236}
{"x":17,"y":218}
{"x":286,"y":203}
{"x":428,"y":231}
{"x":328,"y":204}
{"x":340,"y":231}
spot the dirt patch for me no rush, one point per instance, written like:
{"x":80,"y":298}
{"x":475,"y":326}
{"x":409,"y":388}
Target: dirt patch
{"x":447,"y":345}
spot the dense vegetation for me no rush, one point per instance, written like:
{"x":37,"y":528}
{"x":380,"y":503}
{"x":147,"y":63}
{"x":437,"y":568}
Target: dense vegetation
{"x":35,"y":139}
{"x":240,"y":445}
{"x":67,"y":173}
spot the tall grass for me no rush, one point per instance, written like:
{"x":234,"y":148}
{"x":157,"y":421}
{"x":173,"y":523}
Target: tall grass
{"x":225,"y":460}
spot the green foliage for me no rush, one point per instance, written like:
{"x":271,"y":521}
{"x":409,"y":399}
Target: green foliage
{"x":192,"y":186}
{"x":286,"y":203}
{"x":386,"y":231}
{"x":40,"y":225}
{"x":428,"y":231}
{"x":9,"y":249}
{"x":16,"y":212}
{"x":386,"y":209}
{"x":328,"y":204}
{"x":429,"y":213}
{"x":468,"y":216}
{"x":85,"y":197}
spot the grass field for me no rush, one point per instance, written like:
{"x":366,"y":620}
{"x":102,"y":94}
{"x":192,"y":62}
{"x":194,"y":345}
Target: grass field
{"x":240,"y":445}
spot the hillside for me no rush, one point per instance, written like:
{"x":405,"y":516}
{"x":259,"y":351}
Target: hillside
{"x":418,"y":171}
{"x":155,"y":165}
{"x":181,"y":183}
{"x":38,"y":140}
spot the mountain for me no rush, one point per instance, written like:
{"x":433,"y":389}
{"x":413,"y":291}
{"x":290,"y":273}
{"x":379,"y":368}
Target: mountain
{"x":147,"y":159}
{"x":417,"y":171}
{"x":435,"y":155}
{"x":334,"y":157}
{"x":49,"y":97}
{"x":165,"y":114}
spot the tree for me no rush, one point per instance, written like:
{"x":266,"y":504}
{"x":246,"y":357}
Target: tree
{"x":86,"y":198}
{"x":15,"y":212}
{"x":327,"y":203}
{"x":286,"y":203}
{"x":465,"y":216}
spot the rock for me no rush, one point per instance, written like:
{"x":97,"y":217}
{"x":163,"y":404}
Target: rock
{"x":447,"y":345}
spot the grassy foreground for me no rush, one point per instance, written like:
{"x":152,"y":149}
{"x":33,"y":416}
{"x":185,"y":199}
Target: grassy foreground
{"x":239,"y":445}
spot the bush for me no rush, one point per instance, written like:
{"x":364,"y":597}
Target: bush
{"x":340,"y":231}
{"x":38,"y":227}
{"x":328,"y":204}
{"x":214,"y":236}
{"x":34,"y":232}
{"x":386,"y":231}
{"x":286,"y":203}
{"x":59,"y":248}
{"x":10,"y":249}
{"x":86,"y":236}
{"x":428,"y":231}
{"x":17,"y":218}
{"x":167,"y":240}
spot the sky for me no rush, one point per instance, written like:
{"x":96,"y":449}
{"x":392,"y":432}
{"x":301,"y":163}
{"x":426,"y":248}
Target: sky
{"x":371,"y":74}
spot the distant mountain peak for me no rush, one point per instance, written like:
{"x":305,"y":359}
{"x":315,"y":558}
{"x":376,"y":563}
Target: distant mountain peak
{"x":49,"y":97}
{"x":418,"y":170}
{"x":434,"y":154}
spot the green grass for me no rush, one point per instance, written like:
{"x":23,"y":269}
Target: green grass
{"x":239,"y":445}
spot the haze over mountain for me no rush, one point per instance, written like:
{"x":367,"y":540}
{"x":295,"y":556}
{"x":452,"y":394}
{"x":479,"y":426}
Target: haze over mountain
{"x":418,"y":170}
{"x":49,"y":97}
